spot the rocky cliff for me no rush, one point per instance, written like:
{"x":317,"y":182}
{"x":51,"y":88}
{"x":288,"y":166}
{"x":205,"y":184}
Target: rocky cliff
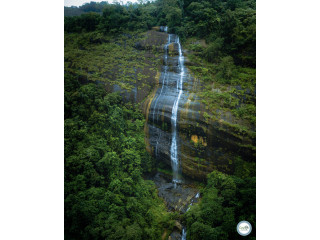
{"x":135,"y":65}
{"x":204,"y":144}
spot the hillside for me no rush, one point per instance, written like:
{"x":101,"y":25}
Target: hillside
{"x":160,"y":116}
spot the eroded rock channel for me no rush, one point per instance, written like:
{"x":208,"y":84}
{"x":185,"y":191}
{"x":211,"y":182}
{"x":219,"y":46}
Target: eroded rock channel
{"x":163,"y":130}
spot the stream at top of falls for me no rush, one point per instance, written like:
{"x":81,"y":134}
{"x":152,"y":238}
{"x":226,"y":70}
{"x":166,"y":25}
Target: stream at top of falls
{"x":163,"y":123}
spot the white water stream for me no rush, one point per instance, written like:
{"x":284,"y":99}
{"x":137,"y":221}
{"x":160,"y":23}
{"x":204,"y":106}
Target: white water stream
{"x":171,"y":93}
{"x":174,"y":145}
{"x":184,"y":230}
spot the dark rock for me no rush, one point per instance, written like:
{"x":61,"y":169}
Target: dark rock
{"x":177,"y":198}
{"x":203,"y":145}
{"x":175,"y":235}
{"x":154,"y":41}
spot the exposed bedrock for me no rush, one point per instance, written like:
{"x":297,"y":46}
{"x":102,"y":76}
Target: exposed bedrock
{"x":202,"y":146}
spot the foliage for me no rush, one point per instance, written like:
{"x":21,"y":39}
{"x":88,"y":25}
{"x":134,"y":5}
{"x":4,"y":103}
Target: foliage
{"x":226,"y":201}
{"x":94,"y":56}
{"x":85,"y":22}
{"x":96,"y":7}
{"x":228,"y":27}
{"x":226,"y":88}
{"x":226,"y":69}
{"x":213,"y":52}
{"x":105,"y":157}
{"x":111,"y":18}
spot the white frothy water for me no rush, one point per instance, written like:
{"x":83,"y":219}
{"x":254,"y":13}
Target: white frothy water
{"x":162,"y":85}
{"x":174,"y":146}
{"x":184,"y":234}
{"x":165,"y":73}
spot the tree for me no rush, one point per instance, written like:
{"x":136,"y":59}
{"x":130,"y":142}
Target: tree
{"x":214,"y":51}
{"x":226,"y":69}
{"x":114,"y":18}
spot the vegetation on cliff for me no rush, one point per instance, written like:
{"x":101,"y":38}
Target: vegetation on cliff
{"x":105,"y":156}
{"x":94,"y":56}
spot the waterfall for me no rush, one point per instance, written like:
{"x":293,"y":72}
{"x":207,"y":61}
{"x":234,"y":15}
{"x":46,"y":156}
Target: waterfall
{"x":184,"y":230}
{"x":163,"y":127}
{"x":169,"y":94}
{"x":174,"y":145}
{"x":164,"y":77}
{"x":184,"y":234}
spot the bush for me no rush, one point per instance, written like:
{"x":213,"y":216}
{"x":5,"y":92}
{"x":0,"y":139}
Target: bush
{"x":226,"y":69}
{"x":226,"y":200}
{"x":213,"y":52}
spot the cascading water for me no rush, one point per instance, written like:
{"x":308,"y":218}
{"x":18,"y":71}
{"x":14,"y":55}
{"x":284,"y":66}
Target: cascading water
{"x":164,"y":78}
{"x":167,"y":97}
{"x":184,"y":230}
{"x":184,"y":234}
{"x":174,"y":146}
{"x":163,"y":125}
{"x":165,"y":75}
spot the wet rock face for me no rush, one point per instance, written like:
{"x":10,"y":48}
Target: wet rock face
{"x":142,"y":71}
{"x":175,"y":235}
{"x":202,"y":146}
{"x":173,"y":49}
{"x":177,"y":198}
{"x":153,"y":41}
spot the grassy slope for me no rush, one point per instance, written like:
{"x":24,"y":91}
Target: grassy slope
{"x":235,"y":96}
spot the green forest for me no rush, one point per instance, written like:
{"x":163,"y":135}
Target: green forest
{"x":108,"y":193}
